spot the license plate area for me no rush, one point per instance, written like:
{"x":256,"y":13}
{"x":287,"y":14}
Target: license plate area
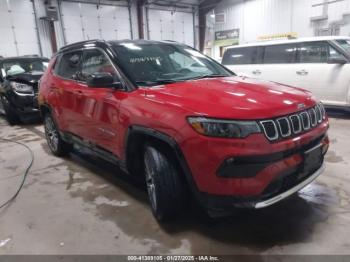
{"x":313,"y":159}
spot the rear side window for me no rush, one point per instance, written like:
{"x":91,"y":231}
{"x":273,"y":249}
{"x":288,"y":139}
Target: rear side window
{"x":313,"y":52}
{"x":69,"y":65}
{"x":280,"y":54}
{"x":240,"y":56}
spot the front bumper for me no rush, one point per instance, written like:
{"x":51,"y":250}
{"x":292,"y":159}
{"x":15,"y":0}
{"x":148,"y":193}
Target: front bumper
{"x":261,"y":173}
{"x":24,"y":103}
{"x":296,"y":188}
{"x":257,"y":162}
{"x":217,"y":206}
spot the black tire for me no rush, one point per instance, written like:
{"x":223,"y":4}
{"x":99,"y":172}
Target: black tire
{"x":165,"y":189}
{"x":56,"y":144}
{"x":10,"y":113}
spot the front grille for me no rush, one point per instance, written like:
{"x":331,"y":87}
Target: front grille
{"x":270,"y":129}
{"x":287,"y":126}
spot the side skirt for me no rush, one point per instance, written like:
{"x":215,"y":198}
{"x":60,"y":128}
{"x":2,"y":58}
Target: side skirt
{"x":99,"y":151}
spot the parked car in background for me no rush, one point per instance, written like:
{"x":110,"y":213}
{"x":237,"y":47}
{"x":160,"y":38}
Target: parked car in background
{"x":19,"y":78}
{"x":176,"y":118}
{"x":318,"y":64}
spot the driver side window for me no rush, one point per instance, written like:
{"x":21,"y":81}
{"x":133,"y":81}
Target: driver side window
{"x":94,"y":61}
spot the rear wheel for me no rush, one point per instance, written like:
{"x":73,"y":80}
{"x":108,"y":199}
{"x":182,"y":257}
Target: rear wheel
{"x":10,"y":113}
{"x":56,"y":144}
{"x":165,"y":189}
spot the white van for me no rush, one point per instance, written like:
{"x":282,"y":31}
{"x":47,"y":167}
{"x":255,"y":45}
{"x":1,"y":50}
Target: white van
{"x":318,"y":64}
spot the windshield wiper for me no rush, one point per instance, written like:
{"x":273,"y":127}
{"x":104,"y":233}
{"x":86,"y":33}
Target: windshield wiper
{"x":157,"y":82}
{"x":209,"y":76}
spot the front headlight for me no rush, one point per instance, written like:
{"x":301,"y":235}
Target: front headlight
{"x":22,"y":88}
{"x":223,"y":128}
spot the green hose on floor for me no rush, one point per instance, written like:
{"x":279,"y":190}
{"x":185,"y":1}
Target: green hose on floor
{"x":25,"y":173}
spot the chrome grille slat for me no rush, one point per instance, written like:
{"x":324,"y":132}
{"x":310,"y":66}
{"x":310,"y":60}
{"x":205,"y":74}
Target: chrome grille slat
{"x":313,"y":119}
{"x":285,"y":131}
{"x":267,"y":132}
{"x":296,"y":130}
{"x":305,"y":120}
{"x":294,"y":124}
{"x":318,"y":114}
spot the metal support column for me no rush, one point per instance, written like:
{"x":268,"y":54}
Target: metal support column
{"x":37,"y":29}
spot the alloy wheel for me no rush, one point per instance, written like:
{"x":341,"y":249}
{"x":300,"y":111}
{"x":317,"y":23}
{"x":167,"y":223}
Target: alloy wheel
{"x":51,"y":134}
{"x":151,"y":187}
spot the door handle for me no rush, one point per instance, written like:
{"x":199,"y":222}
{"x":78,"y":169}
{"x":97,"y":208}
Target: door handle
{"x":256,"y":72}
{"x":302,"y":72}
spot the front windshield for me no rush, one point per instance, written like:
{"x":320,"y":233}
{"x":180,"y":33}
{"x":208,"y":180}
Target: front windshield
{"x":20,"y":66}
{"x":344,"y":44}
{"x":150,"y":64}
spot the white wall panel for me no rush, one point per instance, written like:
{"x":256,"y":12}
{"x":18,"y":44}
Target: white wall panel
{"x":17,"y":28}
{"x":86,"y":21}
{"x":170,"y":25}
{"x":257,"y":18}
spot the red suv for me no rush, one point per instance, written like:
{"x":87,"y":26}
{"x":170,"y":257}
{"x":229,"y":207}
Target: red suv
{"x":165,"y":112}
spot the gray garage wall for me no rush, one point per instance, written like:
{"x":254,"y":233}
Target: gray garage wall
{"x":173,"y":25}
{"x":18,"y":32}
{"x":86,"y":21}
{"x":22,"y":31}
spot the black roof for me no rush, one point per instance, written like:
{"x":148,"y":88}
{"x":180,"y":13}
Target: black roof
{"x":100,"y":43}
{"x":141,"y":42}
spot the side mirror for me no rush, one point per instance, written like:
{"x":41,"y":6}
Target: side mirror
{"x":337,"y":60}
{"x":102,"y":80}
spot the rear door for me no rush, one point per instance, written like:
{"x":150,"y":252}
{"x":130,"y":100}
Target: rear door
{"x":278,"y":63}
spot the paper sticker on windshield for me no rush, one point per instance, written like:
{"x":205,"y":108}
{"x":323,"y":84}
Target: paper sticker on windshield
{"x":145,"y":59}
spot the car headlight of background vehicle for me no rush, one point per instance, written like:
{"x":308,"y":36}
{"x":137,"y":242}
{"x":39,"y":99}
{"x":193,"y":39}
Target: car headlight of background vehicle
{"x":22,"y":88}
{"x":223,"y":128}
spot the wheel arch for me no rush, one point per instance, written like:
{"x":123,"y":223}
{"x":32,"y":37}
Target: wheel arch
{"x":138,"y":136}
{"x":44,"y":109}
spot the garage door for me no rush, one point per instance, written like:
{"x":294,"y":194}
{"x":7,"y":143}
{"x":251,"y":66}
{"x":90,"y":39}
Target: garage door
{"x":17,"y":28}
{"x":167,"y":25}
{"x":86,"y":21}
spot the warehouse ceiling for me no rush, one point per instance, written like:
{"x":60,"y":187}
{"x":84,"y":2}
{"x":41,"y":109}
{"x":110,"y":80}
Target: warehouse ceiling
{"x":178,"y":4}
{"x":175,"y":2}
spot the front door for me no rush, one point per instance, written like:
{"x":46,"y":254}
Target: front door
{"x":316,"y":72}
{"x":64,"y":89}
{"x":99,"y":117}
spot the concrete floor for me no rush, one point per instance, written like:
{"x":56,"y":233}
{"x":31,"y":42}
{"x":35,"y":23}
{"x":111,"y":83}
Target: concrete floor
{"x":81,"y":205}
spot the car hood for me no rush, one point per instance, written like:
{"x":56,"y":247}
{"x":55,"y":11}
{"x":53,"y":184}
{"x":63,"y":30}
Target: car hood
{"x":26,"y":78}
{"x":233,"y":97}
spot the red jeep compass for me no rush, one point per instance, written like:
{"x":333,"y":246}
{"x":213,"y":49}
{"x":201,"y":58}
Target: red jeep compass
{"x":164,"y":111}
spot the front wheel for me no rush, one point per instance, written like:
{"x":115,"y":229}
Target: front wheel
{"x":56,"y":144}
{"x":165,"y":189}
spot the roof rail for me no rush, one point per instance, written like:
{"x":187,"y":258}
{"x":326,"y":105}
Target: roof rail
{"x":80,"y":44}
{"x":29,"y":56}
{"x":173,"y":41}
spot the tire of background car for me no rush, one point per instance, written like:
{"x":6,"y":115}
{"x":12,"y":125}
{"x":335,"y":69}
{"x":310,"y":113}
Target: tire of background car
{"x":10,"y":113}
{"x":54,"y":140}
{"x":165,"y":189}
